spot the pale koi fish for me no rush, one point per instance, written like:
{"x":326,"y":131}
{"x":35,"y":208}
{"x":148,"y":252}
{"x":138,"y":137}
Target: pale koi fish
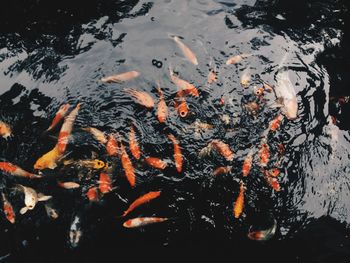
{"x":50,"y":211}
{"x":141,"y":97}
{"x":68,"y":185}
{"x":245,"y":78}
{"x":121,"y":77}
{"x":186,"y":51}
{"x":185,"y":88}
{"x":237,"y":58}
{"x":99,"y":135}
{"x":143,"y":221}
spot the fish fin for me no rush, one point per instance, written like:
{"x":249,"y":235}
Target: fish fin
{"x":23,"y":210}
{"x":278,"y":103}
{"x":42,"y":197}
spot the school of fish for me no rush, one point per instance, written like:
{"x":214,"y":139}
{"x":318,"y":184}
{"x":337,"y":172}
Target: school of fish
{"x":129,"y":149}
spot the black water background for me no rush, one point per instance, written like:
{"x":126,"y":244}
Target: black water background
{"x":49,"y":41}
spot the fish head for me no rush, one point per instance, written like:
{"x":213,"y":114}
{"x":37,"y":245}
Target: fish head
{"x":291,"y":109}
{"x":98,"y":164}
{"x":30,"y":200}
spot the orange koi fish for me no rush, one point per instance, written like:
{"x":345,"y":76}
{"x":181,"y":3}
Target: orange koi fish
{"x":66,"y":129}
{"x":68,"y":185}
{"x":272,"y":181}
{"x":247,"y":164}
{"x":276,"y":122}
{"x":264,"y":153}
{"x":133,"y":144}
{"x":141,"y":200}
{"x":121,"y":77}
{"x":281,"y":150}
{"x":61,"y":113}
{"x":99,"y":135}
{"x":8,"y":209}
{"x":181,"y":108}
{"x":49,"y":160}
{"x":223,"y":149}
{"x":212,"y":76}
{"x":259,"y":92}
{"x":186,"y":51}
{"x":177,"y":153}
{"x":16,"y":171}
{"x":274,"y":172}
{"x":222,"y":170}
{"x":5,"y":130}
{"x":93,"y":194}
{"x":156,"y":163}
{"x":185,"y":88}
{"x":245,"y":78}
{"x":105,"y":181}
{"x":127,"y":166}
{"x":239,"y":204}
{"x":162,"y":110}
{"x":143,"y":221}
{"x":141,"y":97}
{"x":112,"y":146}
{"x":237,"y":58}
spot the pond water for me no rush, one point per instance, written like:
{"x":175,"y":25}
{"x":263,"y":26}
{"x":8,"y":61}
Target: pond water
{"x":51,"y":58}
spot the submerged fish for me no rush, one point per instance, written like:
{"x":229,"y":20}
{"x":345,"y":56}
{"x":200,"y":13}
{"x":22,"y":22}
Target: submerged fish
{"x":49,"y":160}
{"x":186,"y":51}
{"x":92,"y":194}
{"x":112,"y":146}
{"x":127,"y":166}
{"x":223,"y":149}
{"x":90,"y":164}
{"x":141,"y":97}
{"x":133,"y":144}
{"x":61,"y":113}
{"x":105,"y":183}
{"x":121,"y":77}
{"x":222,"y":170}
{"x":8,"y":209}
{"x":286,"y":95}
{"x":99,"y":135}
{"x":68,"y":185}
{"x":177,"y":153}
{"x":263,"y":235}
{"x":247,"y":164}
{"x":162,"y":109}
{"x":185,"y":88}
{"x":245,"y":78}
{"x":5,"y":130}
{"x":181,"y":107}
{"x":141,"y":200}
{"x":75,"y":232}
{"x":143,"y":221}
{"x":237,"y":58}
{"x":239,"y":204}
{"x":50,"y":211}
{"x":156,"y":163}
{"x":275,"y":123}
{"x":16,"y":171}
{"x":31,"y":197}
{"x":212,"y":76}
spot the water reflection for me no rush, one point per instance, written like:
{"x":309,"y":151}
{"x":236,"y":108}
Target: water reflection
{"x":41,"y":73}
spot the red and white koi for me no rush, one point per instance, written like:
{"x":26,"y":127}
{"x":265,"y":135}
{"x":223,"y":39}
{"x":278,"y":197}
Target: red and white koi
{"x":143,"y":221}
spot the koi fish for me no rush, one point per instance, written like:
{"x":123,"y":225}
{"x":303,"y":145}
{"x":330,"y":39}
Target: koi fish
{"x":143,"y":221}
{"x":272,"y":181}
{"x":264,"y":154}
{"x":252,"y":108}
{"x":237,"y":58}
{"x":207,"y":150}
{"x":141,"y":200}
{"x":112,"y":146}
{"x":99,"y":135}
{"x":286,"y":95}
{"x":141,"y":97}
{"x":156,"y":163}
{"x":263,"y":235}
{"x":239,"y":204}
{"x":8,"y":209}
{"x":31,"y":198}
{"x":49,"y":160}
{"x":177,"y":153}
{"x":66,"y":129}
{"x":68,"y":185}
{"x":259,"y":91}
{"x":185,"y":88}
{"x":133,"y":144}
{"x":16,"y":171}
{"x":50,"y":211}
{"x":223,"y":149}
{"x":61,"y":113}
{"x":181,"y":108}
{"x":212,"y":76}
{"x":5,"y":130}
{"x":90,"y":164}
{"x":75,"y":232}
{"x":245,"y":78}
{"x":92,"y":194}
{"x":275,"y":123}
{"x":127,"y":166}
{"x":105,"y":183}
{"x":274,"y":172}
{"x":281,"y":150}
{"x":247,"y":164}
{"x":222,"y":170}
{"x":162,"y":110}
{"x":186,"y":51}
{"x":121,"y":77}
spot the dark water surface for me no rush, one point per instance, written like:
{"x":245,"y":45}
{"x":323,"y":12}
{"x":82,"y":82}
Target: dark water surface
{"x":52,"y":54}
